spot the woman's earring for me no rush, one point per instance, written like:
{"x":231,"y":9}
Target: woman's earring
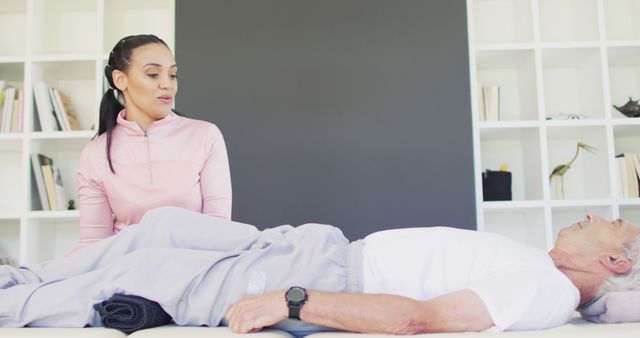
{"x":118,"y":97}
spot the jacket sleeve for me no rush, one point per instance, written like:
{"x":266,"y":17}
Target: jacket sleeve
{"x":96,"y":216}
{"x":215,"y":179}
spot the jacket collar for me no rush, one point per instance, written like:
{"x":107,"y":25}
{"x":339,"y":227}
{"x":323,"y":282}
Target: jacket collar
{"x":133,"y":128}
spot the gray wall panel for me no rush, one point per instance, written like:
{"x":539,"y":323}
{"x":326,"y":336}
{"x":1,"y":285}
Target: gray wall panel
{"x":349,"y":112}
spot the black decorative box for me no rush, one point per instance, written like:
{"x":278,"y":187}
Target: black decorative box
{"x":496,"y":185}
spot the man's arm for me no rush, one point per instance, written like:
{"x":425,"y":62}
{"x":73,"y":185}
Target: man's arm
{"x":371,"y":313}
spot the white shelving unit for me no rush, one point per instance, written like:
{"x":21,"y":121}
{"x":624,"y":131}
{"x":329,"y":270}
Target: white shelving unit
{"x":66,"y":43}
{"x":554,"y":57}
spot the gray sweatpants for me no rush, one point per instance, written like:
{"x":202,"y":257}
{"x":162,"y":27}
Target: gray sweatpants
{"x":193,"y":265}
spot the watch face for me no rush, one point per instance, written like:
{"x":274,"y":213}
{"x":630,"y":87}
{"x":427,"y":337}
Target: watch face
{"x":295,"y":295}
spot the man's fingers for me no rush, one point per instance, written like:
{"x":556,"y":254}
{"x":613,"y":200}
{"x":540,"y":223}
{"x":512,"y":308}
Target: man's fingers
{"x":252,"y":313}
{"x":238,"y":316}
{"x":243,"y":322}
{"x":229,"y":313}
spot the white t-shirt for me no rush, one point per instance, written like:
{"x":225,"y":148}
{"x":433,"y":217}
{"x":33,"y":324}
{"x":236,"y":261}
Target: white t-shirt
{"x":519,"y":285}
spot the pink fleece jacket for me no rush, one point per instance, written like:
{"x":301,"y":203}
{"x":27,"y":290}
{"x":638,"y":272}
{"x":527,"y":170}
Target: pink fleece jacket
{"x":178,"y":162}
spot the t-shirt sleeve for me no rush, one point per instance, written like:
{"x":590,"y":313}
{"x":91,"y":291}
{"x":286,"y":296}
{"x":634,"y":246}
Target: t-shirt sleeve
{"x":524,"y":298}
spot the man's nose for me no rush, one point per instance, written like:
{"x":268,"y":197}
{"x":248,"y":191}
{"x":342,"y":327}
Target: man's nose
{"x":629,"y":224}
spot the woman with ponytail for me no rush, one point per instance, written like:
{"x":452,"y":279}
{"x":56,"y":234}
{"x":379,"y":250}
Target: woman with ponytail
{"x":145,"y":155}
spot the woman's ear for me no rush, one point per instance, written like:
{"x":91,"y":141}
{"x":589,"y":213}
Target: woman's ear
{"x":616,"y":263}
{"x":119,"y":79}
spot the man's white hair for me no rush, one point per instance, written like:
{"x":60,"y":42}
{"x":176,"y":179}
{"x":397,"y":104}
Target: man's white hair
{"x":629,"y":281}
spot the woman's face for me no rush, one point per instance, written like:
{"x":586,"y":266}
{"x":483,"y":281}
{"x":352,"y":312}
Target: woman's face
{"x":150,"y":83}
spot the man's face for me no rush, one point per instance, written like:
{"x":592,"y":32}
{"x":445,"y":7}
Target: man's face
{"x":596,"y":235}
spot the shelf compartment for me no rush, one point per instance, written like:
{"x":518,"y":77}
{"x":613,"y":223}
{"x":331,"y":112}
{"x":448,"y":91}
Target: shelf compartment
{"x":10,"y":239}
{"x":626,"y":139}
{"x":13,"y":20}
{"x":76,"y":79}
{"x":56,"y":23}
{"x":588,"y":177}
{"x":13,"y":74}
{"x":502,"y":21}
{"x":64,"y":153}
{"x":519,"y":148}
{"x":525,"y":225}
{"x":573,"y":82}
{"x":126,"y":17}
{"x":631,"y":213}
{"x":514,"y":72}
{"x":11,"y":173}
{"x":621,"y":19}
{"x":50,"y":239}
{"x":624,"y":76}
{"x":565,"y":216}
{"x":568,"y":20}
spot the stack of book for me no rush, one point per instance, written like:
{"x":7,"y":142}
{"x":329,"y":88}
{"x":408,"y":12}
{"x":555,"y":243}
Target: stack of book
{"x":489,"y":97}
{"x":11,"y":109}
{"x":48,"y":183}
{"x":629,"y":169}
{"x":55,"y":110}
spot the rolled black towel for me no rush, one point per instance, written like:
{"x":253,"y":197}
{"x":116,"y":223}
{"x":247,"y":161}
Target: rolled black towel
{"x":129,"y":313}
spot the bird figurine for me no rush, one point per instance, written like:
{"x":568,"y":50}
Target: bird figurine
{"x":559,"y":171}
{"x":630,"y":109}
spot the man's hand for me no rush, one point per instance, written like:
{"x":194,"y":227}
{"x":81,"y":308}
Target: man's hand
{"x":252,"y":313}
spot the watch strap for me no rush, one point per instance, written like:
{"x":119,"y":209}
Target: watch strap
{"x":294,"y":312}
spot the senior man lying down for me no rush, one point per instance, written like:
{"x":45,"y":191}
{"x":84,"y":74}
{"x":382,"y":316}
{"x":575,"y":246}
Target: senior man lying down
{"x":205,"y":271}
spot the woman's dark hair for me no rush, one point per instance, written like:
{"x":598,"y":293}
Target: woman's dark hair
{"x":119,"y":59}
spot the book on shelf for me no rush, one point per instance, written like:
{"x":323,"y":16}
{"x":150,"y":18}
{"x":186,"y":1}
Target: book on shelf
{"x":636,"y":165}
{"x":18,"y":113}
{"x":21,"y":118}
{"x":37,"y":160}
{"x":48,"y":121}
{"x":57,"y":112}
{"x":2,"y":99}
{"x":8,"y":107}
{"x":13,"y":111}
{"x":65,"y":113}
{"x":629,"y":169}
{"x":7,"y":110}
{"x":15,"y":117}
{"x":2,"y":93}
{"x":489,"y":97}
{"x":61,"y":197}
{"x":48,"y":183}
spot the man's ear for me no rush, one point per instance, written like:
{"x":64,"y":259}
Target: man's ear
{"x":616,"y":263}
{"x":592,"y":217}
{"x":119,"y":79}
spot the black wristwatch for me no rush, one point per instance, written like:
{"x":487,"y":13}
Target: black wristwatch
{"x":295,"y":297}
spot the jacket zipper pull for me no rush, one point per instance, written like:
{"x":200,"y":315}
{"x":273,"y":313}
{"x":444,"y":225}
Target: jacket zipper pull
{"x":146,"y":137}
